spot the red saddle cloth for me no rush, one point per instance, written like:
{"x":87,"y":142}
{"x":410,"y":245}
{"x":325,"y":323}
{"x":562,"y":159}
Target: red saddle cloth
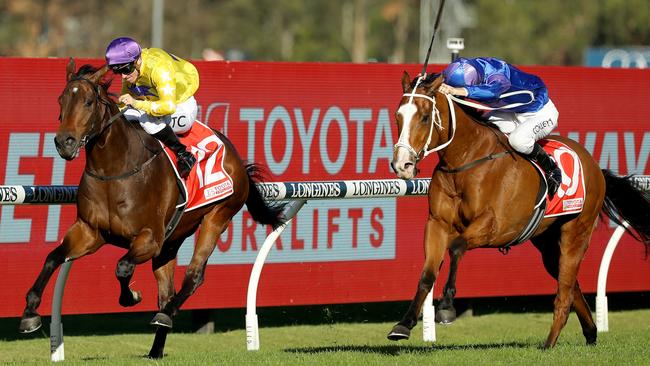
{"x":570,"y":196}
{"x":208,"y":181}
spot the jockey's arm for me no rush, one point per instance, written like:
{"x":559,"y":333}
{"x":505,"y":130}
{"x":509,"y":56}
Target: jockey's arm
{"x":494,"y":86}
{"x":164,"y":79}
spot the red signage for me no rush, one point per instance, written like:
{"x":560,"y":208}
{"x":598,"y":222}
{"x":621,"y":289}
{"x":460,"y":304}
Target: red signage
{"x":307,"y":122}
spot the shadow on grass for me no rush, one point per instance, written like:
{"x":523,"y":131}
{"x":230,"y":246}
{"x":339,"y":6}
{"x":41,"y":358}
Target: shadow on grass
{"x":396,"y":350}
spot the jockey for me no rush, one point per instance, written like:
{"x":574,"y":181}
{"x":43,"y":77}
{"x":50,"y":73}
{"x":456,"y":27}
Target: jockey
{"x":160,"y":89}
{"x":525,"y":116}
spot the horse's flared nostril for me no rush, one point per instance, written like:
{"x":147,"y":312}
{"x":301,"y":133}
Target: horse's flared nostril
{"x":70,"y":142}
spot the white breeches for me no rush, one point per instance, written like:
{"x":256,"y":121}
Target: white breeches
{"x":523,"y":129}
{"x":180,"y":121}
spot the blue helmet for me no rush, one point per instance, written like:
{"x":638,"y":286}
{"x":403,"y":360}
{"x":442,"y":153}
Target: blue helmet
{"x":122,"y":50}
{"x":460,"y":73}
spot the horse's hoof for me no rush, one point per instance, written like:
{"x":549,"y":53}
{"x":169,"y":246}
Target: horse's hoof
{"x":154,"y":355}
{"x":445,"y":316}
{"x":132,"y":299}
{"x":399,"y":332}
{"x":162,"y":320}
{"x":30,"y":324}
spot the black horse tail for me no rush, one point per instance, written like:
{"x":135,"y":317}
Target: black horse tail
{"x":625,"y":202}
{"x":265,"y":213}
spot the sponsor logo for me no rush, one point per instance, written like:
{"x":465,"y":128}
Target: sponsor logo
{"x":572,"y":204}
{"x":217,"y":190}
{"x":8,"y":194}
{"x":319,"y":189}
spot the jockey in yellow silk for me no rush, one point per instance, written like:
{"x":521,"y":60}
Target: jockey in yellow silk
{"x":159,"y":87}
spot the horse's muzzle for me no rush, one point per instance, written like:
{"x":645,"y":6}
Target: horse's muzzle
{"x":67,"y":146}
{"x":403,"y":164}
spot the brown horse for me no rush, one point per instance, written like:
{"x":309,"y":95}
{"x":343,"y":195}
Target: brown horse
{"x":127,"y":196}
{"x":482,"y":194}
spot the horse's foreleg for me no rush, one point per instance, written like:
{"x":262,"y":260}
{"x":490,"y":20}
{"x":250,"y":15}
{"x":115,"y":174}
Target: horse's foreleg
{"x":211,"y":227}
{"x":78,"y":241}
{"x":163,"y":269}
{"x":435,"y":240}
{"x":143,"y":248}
{"x":446,"y":313}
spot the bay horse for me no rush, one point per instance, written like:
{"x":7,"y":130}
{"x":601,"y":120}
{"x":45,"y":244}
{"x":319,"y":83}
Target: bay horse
{"x":127,"y":195}
{"x":482,"y":194}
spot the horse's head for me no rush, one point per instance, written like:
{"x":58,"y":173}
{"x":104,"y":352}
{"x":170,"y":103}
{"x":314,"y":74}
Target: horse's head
{"x":418,"y":123}
{"x":82,"y":103}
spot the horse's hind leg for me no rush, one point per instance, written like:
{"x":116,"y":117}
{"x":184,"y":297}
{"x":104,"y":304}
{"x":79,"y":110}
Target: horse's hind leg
{"x":212,"y":226}
{"x":143,"y":248}
{"x":78,"y":241}
{"x":446,"y":313}
{"x":552,"y":258}
{"x":435,"y":239}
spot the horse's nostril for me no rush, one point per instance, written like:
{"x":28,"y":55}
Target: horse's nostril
{"x":70,"y":141}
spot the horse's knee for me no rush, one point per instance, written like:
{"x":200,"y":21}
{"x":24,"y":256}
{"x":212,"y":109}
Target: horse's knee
{"x":124,"y":268}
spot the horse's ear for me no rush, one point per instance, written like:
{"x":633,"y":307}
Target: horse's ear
{"x":406,"y":82}
{"x":435,"y":84}
{"x":70,"y":69}
{"x":99,"y":74}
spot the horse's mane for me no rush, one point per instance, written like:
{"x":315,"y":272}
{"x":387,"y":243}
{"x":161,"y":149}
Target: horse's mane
{"x":427,"y":81}
{"x":87,"y":69}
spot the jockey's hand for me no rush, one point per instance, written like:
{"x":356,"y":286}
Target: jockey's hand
{"x":126,"y":99}
{"x":447,"y":89}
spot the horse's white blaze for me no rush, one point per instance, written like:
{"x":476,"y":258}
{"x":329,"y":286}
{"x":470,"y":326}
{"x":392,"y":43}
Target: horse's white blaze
{"x":407,"y":111}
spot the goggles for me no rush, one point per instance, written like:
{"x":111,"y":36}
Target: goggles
{"x":123,"y":69}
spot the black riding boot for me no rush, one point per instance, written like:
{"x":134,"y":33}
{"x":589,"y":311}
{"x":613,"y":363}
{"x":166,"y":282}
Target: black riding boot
{"x":553,"y":173}
{"x":185,"y":159}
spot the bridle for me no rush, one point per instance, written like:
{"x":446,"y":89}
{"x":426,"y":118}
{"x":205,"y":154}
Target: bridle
{"x":93,"y":135}
{"x":95,"y":88}
{"x":435,"y":120}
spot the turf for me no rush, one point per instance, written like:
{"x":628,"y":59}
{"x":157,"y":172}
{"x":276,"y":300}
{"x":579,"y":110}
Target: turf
{"x":494,"y":339}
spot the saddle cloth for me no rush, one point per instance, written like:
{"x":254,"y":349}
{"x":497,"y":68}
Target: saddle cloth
{"x":570,"y":196}
{"x":208,"y":181}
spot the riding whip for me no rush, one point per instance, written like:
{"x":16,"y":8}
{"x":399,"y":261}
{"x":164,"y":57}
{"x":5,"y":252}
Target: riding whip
{"x":433,"y":36}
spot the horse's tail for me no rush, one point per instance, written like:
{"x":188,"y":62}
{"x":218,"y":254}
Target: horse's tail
{"x":625,"y":202}
{"x":262,"y":211}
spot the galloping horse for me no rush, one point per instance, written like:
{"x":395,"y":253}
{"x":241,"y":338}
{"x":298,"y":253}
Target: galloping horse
{"x":482,"y":194}
{"x":127,"y":196}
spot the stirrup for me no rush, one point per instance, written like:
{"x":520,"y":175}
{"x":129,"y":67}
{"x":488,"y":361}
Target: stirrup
{"x":552,"y":182}
{"x":185,"y":163}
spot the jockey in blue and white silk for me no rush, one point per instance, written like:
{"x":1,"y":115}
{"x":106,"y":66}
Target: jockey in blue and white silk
{"x":522,"y":107}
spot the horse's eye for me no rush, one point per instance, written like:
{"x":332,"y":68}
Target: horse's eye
{"x":88,"y":103}
{"x":425,"y":118}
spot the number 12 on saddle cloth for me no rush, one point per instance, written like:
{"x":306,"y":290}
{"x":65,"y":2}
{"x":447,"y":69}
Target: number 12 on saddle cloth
{"x":208,"y":181}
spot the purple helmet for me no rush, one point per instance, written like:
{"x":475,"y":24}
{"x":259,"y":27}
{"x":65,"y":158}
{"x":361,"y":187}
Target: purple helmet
{"x":122,"y":50}
{"x":460,"y":73}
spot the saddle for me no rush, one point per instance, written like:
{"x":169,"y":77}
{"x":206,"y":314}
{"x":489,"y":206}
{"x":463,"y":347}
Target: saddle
{"x":569,"y":198}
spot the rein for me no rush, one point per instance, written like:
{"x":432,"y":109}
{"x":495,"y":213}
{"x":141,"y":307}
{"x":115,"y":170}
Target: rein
{"x":437,"y":121}
{"x":91,"y":136}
